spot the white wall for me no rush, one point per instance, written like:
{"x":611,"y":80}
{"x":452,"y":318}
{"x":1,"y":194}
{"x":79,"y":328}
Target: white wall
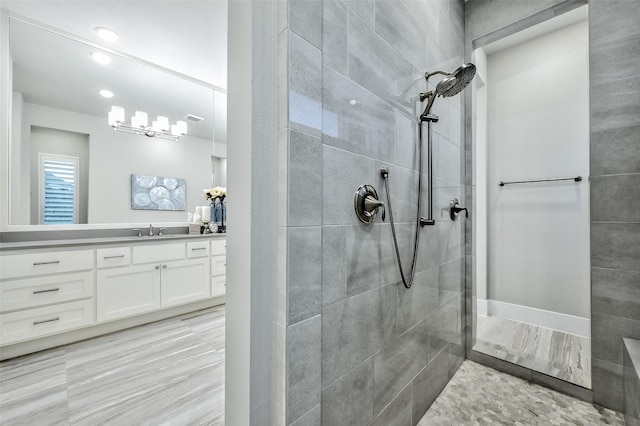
{"x":538,"y":127}
{"x":114,"y":156}
{"x":71,"y":144}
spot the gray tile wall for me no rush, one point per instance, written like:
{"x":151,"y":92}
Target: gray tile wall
{"x":360,"y":348}
{"x":631,"y":381}
{"x":614,"y":38}
{"x":615,"y":174}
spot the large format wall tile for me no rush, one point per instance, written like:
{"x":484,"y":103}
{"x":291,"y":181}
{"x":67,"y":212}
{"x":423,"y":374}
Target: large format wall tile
{"x":303,"y":368}
{"x":305,"y":180}
{"x":334,"y":264}
{"x":305,"y":86}
{"x":613,"y":20}
{"x":305,"y":17}
{"x":395,"y":366}
{"x":373,"y":56}
{"x":334,"y":35}
{"x":615,"y":291}
{"x":609,"y":331}
{"x":429,"y":383}
{"x":615,"y":151}
{"x":615,"y":245}
{"x":615,"y":198}
{"x":355,"y":329}
{"x":398,"y":412}
{"x":606,"y":379}
{"x":614,"y":59}
{"x":375,"y":65}
{"x":342,"y":173}
{"x":312,"y":418}
{"x":401,"y":29}
{"x":414,"y":304}
{"x":355,"y":120}
{"x":349,"y":400}
{"x":371,"y":258}
{"x":304,"y":289}
{"x":615,"y":104}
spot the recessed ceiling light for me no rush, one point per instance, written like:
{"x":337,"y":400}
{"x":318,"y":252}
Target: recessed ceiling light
{"x":101,"y":58}
{"x":107,"y":35}
{"x":106,"y":93}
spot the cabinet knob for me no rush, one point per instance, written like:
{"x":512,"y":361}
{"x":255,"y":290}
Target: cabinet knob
{"x":157,"y":267}
{"x":164,"y":266}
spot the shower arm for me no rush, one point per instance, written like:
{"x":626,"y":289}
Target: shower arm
{"x":431,"y":74}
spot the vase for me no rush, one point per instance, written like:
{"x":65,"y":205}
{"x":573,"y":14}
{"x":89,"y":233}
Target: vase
{"x":223,"y":213}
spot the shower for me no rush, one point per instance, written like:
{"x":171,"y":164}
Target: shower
{"x":452,"y":84}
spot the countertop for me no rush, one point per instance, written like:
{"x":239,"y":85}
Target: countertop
{"x":81,"y":242}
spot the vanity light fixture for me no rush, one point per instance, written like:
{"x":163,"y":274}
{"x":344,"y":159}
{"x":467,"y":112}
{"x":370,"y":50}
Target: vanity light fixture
{"x":106,"y":93}
{"x":160,"y":127}
{"x":107,"y":35}
{"x":101,"y":58}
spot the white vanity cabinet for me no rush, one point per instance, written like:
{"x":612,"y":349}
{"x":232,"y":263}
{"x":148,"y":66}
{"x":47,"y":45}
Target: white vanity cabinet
{"x":45,"y":293}
{"x":159,"y":276}
{"x":56,"y":295}
{"x":218,"y":266}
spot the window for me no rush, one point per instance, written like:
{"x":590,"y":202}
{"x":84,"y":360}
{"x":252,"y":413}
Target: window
{"x":58,"y":186}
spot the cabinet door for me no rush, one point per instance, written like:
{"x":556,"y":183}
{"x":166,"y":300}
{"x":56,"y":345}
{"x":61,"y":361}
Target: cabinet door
{"x":218,"y":285}
{"x":185,"y":281}
{"x":123,"y":292}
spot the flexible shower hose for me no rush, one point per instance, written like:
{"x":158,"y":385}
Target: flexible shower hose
{"x":416,"y":242}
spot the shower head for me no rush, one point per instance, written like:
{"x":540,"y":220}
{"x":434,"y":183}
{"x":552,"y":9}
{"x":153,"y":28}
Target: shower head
{"x":452,"y":84}
{"x":455,"y":82}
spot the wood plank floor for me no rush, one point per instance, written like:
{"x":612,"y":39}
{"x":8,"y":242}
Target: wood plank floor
{"x":169,"y":372}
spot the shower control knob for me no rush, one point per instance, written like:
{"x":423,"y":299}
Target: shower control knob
{"x":366,"y":204}
{"x":455,"y":208}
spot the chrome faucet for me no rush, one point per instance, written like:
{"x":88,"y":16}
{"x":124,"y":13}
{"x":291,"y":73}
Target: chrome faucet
{"x":150,"y":230}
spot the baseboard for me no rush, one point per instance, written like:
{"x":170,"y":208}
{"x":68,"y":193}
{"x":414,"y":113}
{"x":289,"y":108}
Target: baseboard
{"x":482,"y":308}
{"x":562,"y":322}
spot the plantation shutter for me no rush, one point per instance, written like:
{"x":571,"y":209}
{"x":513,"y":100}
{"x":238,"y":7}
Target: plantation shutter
{"x":58,"y":189}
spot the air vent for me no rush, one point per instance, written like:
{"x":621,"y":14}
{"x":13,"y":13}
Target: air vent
{"x":193,"y":118}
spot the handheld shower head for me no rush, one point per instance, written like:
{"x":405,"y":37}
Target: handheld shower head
{"x":452,"y":84}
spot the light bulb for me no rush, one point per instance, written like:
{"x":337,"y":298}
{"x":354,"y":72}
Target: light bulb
{"x":182,"y":127}
{"x":101,"y":58}
{"x":107,"y":35}
{"x":141,"y":118}
{"x":112,"y":121}
{"x":118,"y":113}
{"x":163,"y":123}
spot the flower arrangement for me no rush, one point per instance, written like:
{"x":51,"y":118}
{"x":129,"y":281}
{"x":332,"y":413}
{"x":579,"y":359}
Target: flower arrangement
{"x":215,"y":192}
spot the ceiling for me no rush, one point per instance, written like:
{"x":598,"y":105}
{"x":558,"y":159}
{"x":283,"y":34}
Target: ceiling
{"x":186,"y":36}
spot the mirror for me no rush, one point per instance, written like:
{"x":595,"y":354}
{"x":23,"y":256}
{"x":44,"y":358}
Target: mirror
{"x":55,"y":109}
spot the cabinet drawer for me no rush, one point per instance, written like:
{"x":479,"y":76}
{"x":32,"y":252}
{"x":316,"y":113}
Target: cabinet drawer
{"x":218,"y":265}
{"x":198,"y":249}
{"x":218,"y":285}
{"x":116,"y":256}
{"x":218,"y":246}
{"x":33,"y":292}
{"x":158,"y":253}
{"x":23,"y":265}
{"x":38,"y":322}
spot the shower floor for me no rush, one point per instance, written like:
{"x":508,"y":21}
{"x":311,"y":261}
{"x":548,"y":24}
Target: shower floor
{"x":555,"y":353}
{"x":478,"y":395}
